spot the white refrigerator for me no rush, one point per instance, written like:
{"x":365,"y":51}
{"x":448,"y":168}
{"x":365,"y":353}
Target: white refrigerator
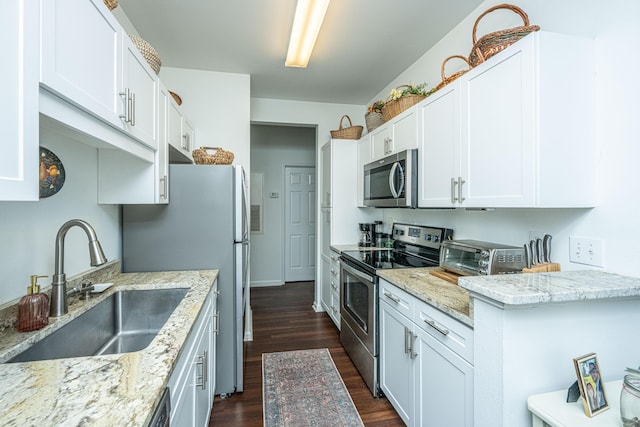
{"x":204,"y":226}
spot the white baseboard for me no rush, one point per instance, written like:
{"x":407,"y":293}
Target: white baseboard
{"x":265,"y":283}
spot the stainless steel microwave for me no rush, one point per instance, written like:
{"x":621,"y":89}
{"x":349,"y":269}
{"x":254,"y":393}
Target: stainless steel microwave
{"x":392,"y":182}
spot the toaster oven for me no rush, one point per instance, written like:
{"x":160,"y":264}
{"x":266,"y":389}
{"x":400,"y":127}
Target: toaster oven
{"x":475,"y":258}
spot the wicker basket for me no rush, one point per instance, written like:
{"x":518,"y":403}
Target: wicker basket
{"x":397,"y":106}
{"x":373,"y":120}
{"x":176,"y":97}
{"x":149,"y":53}
{"x":492,"y":43}
{"x":351,"y":132}
{"x":111,"y":4}
{"x":446,"y":80}
{"x":219,"y":157}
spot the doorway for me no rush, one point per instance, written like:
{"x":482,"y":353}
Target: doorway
{"x":300,"y":224}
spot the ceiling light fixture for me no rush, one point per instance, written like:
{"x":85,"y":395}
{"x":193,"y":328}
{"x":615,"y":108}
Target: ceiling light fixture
{"x":306,"y":26}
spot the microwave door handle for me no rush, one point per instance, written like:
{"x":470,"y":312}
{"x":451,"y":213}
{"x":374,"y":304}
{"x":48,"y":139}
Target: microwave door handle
{"x":396,"y":168}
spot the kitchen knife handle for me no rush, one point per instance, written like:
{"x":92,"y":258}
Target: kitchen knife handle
{"x":527,"y":255}
{"x":534,"y":252}
{"x":540,"y":250}
{"x":546,"y":243}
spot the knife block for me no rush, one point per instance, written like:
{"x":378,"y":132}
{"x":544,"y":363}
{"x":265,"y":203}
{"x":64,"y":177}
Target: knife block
{"x":541,"y":268}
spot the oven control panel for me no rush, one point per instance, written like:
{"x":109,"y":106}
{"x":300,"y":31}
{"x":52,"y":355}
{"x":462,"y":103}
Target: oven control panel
{"x":420,"y":235}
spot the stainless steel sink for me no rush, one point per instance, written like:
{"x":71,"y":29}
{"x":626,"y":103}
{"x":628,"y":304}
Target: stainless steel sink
{"x":126,"y":321}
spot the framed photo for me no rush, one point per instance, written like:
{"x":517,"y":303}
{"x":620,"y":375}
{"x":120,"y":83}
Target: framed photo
{"x":591,"y":384}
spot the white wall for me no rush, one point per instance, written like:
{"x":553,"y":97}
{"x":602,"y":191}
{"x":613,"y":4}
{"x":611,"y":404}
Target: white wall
{"x":217,"y":104}
{"x":617,"y":37}
{"x":273,"y":148}
{"x":28,"y":229}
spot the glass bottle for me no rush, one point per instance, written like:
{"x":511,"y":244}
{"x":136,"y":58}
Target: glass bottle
{"x":630,"y":401}
{"x":33,"y":308}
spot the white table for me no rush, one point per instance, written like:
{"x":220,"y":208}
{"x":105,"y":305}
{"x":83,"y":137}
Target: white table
{"x":552,"y":409}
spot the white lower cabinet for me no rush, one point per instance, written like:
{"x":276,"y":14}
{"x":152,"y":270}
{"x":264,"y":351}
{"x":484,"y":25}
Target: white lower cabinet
{"x":192,"y":384}
{"x":331,"y":286}
{"x":426,"y":358}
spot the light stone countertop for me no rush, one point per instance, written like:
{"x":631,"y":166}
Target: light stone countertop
{"x":109,"y":390}
{"x":343,"y":248}
{"x":445,"y":296}
{"x":564,"y":286}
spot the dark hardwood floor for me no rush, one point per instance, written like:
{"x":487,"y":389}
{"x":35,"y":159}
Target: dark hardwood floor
{"x":283,"y":320}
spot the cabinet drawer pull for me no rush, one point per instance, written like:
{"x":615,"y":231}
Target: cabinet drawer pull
{"x":392,"y":297}
{"x":431,"y":323}
{"x":334,"y":287}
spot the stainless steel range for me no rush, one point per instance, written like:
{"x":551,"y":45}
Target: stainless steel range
{"x":413,"y":246}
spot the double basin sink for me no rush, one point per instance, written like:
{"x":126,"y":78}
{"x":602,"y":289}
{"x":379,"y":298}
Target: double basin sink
{"x":124,"y":322}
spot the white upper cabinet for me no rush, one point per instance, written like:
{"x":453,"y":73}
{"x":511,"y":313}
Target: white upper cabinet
{"x":364,"y":157}
{"x":88,"y":60}
{"x":439,"y":150}
{"x":19,"y":108}
{"x":81,"y":56}
{"x":399,"y":133}
{"x":514,"y":131}
{"x":141,"y":85}
{"x":180,"y":134}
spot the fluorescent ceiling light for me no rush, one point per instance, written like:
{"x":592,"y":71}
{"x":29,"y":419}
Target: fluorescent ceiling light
{"x":306,"y":26}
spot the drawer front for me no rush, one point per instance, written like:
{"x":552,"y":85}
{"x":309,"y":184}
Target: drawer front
{"x":455,"y":335}
{"x":397,"y":298}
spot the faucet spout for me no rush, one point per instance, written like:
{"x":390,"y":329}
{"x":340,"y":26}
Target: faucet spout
{"x":59,"y":304}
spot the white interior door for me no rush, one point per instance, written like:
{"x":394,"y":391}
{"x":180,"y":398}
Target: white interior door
{"x":300,"y":224}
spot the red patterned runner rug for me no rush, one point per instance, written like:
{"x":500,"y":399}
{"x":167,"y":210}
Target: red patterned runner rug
{"x":303,"y":388}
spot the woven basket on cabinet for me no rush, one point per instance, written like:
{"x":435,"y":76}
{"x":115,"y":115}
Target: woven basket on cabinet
{"x":373,"y":120}
{"x":220,"y":157}
{"x":149,"y":53}
{"x":492,"y":43}
{"x":448,"y":79}
{"x":394,"y":107}
{"x":351,"y":132}
{"x":111,"y":4}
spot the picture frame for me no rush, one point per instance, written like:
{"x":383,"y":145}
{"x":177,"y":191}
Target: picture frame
{"x":591,"y":384}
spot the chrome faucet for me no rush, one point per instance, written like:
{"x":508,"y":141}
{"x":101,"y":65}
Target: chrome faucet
{"x":59,"y":304}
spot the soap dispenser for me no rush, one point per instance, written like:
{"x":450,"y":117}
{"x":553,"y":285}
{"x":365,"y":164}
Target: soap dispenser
{"x":33,"y":308}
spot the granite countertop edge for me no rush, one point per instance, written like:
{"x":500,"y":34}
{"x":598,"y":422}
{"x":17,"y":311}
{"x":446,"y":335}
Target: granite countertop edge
{"x":119,"y":389}
{"x":552,"y":287}
{"x":444,"y":296}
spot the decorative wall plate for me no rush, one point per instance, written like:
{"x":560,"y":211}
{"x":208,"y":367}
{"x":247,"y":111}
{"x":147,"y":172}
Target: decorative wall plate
{"x":52,"y":173}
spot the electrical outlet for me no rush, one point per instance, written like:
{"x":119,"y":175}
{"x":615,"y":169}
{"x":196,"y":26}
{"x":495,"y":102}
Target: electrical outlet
{"x":585,"y":250}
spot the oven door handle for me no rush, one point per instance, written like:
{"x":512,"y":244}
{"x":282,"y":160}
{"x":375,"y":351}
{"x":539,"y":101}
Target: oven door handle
{"x":357,"y":273}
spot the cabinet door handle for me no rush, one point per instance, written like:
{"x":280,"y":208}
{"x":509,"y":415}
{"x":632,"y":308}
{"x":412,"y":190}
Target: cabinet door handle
{"x":216,"y":328}
{"x":204,"y":362}
{"x":431,"y":323}
{"x":133,"y":108}
{"x":406,"y":340}
{"x":460,"y":196}
{"x":454,"y":183}
{"x":125,"y":115}
{"x":412,"y":343}
{"x":163,"y":180}
{"x":392,"y":297}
